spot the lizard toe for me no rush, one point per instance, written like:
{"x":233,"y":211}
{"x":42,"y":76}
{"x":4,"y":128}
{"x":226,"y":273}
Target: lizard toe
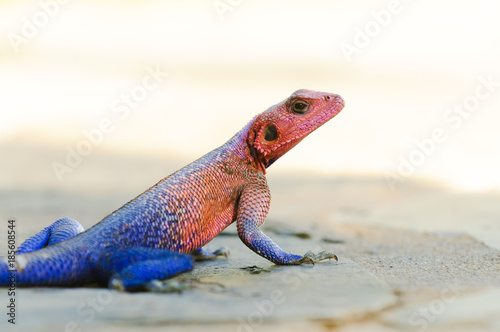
{"x":222,"y":252}
{"x":117,"y":284}
{"x":321,"y":256}
{"x":311,"y":258}
{"x":168,"y":286}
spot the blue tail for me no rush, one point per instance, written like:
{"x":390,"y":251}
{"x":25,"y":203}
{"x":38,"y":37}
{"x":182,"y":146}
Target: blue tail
{"x":42,"y":260}
{"x":50,"y":266}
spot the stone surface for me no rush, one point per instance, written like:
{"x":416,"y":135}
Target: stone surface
{"x":399,"y":251}
{"x":451,"y":310}
{"x":243,"y":291}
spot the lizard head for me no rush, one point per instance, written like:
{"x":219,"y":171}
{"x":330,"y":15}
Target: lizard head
{"x":281,"y":127}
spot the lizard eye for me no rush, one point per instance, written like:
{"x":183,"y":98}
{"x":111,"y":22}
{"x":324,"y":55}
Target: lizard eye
{"x":299,"y":107}
{"x":270,"y":133}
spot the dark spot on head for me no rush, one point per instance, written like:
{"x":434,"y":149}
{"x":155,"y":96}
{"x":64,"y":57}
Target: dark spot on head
{"x":270,"y":133}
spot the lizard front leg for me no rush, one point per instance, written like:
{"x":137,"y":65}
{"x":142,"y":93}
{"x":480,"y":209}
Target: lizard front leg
{"x":252,"y":210}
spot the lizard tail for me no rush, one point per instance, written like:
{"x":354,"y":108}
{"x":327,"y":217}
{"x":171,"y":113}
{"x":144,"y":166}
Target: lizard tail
{"x":50,"y":266}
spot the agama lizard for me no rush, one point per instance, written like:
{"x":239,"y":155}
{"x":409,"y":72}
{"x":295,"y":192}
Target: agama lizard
{"x":157,"y":234}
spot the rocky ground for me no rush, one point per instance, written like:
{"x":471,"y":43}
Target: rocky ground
{"x":389,"y":277}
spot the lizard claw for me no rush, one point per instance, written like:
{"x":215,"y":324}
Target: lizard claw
{"x":204,"y":255}
{"x":169,"y":286}
{"x":305,"y":259}
{"x":224,"y":251}
{"x":117,"y":284}
{"x":153,"y":286}
{"x":310,"y":257}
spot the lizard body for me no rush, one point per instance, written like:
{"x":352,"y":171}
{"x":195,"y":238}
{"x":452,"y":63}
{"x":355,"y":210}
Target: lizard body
{"x":152,"y":236}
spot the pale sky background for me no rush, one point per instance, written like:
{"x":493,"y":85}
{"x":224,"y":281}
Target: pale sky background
{"x":66,"y":76}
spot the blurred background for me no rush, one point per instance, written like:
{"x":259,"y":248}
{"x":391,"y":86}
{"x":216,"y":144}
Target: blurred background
{"x":108,"y":97}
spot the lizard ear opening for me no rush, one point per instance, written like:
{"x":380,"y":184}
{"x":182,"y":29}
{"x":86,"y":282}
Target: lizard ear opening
{"x":270,"y":133}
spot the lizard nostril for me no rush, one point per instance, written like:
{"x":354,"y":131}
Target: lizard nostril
{"x":334,"y":97}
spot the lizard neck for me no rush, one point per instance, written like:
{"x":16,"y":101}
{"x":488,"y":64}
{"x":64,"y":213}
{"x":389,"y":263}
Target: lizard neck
{"x":241,"y":147}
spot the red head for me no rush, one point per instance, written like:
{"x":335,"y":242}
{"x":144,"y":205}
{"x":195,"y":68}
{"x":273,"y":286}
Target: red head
{"x":282,"y":126}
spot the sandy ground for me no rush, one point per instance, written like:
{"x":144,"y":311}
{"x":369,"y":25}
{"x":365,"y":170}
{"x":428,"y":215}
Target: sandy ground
{"x":412,"y":261}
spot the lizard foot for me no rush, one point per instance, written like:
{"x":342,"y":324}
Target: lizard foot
{"x":154,"y":286}
{"x":311,"y":258}
{"x":205,"y":255}
{"x":132,"y":268}
{"x":168,"y":286}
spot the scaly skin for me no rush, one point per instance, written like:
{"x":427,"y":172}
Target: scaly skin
{"x":151,"y":236}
